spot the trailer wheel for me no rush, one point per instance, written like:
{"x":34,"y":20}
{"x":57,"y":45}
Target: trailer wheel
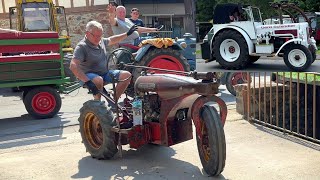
{"x":95,"y":128}
{"x":42,"y":102}
{"x":233,"y":79}
{"x":211,"y":142}
{"x":297,"y":57}
{"x":231,"y":50}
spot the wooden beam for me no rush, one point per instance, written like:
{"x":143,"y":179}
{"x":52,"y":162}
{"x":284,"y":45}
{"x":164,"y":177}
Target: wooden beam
{"x":57,"y":3}
{"x":71,"y":2}
{"x":87,"y":3}
{"x":3,"y":7}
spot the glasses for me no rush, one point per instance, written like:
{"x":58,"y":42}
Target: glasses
{"x":134,"y":9}
{"x":97,"y":37}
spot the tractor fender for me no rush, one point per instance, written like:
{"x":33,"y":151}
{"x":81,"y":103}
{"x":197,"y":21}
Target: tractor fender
{"x":200,"y":102}
{"x":288,"y":42}
{"x":239,"y":30}
{"x":144,"y":50}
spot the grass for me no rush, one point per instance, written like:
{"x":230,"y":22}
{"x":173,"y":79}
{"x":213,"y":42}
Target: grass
{"x":199,"y":51}
{"x":302,"y":76}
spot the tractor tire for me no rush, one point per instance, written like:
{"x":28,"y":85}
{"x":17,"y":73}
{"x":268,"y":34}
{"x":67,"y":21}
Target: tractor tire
{"x":42,"y":102}
{"x":297,"y":57}
{"x":233,"y":79}
{"x":253,"y":59}
{"x":95,"y":122}
{"x":211,"y":142}
{"x":230,"y":50}
{"x":164,"y":58}
{"x":67,"y":71}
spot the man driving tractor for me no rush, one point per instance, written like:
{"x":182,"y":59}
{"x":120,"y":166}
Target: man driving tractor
{"x":89,"y":63}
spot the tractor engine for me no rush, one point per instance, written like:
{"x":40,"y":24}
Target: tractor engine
{"x":151,"y":107}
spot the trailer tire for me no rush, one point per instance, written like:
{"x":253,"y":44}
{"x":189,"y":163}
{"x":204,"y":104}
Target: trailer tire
{"x":42,"y":102}
{"x":95,"y":122}
{"x":231,"y":50}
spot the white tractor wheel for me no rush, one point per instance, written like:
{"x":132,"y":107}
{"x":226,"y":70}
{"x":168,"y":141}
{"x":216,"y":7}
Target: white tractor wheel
{"x":229,"y":50}
{"x":297,"y":57}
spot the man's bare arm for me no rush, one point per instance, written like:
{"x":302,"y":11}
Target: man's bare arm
{"x":115,"y":39}
{"x":75,"y":68}
{"x":146,"y":30}
{"x":112,"y":14}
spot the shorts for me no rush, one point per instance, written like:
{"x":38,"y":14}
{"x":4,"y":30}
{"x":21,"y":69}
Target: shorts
{"x":106,"y":77}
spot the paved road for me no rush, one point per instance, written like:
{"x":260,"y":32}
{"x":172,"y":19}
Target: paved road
{"x":262,"y":65}
{"x":52,"y":149}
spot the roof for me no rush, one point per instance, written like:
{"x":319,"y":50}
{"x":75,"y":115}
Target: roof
{"x":223,"y":11}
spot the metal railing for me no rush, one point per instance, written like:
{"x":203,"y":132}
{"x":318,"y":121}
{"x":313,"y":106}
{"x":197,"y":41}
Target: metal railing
{"x":286,"y":101}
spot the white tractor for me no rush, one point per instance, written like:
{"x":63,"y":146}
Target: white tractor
{"x":239,"y":38}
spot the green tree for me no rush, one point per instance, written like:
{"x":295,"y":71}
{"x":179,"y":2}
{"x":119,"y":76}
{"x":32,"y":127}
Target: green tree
{"x":204,"y":10}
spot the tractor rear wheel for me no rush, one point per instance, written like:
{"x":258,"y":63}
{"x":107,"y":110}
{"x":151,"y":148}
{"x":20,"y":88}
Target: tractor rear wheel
{"x":231,"y":50}
{"x":95,"y":122}
{"x":253,"y":59}
{"x":211,"y":141}
{"x":297,"y":57}
{"x":164,"y":58}
{"x":42,"y":102}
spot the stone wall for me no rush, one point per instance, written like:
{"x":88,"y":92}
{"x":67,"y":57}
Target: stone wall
{"x":77,"y":23}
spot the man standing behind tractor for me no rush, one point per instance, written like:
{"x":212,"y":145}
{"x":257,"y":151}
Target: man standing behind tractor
{"x":121,"y":24}
{"x":89,"y":63}
{"x":135,"y":13}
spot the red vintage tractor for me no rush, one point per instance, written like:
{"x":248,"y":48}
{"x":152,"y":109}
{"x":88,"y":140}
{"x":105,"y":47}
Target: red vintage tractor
{"x":161,"y":112}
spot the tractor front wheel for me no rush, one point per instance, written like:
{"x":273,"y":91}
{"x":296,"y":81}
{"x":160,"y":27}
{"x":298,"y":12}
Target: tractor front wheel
{"x":42,"y":102}
{"x":211,"y":141}
{"x":297,"y":57}
{"x":95,"y":122}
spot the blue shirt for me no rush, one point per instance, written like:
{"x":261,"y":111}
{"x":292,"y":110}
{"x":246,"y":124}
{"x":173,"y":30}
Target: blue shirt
{"x":137,"y":22}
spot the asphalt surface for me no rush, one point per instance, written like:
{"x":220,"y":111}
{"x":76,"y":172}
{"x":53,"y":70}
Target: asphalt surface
{"x":264,"y":64}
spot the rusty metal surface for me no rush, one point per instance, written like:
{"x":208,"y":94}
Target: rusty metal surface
{"x":200,"y":102}
{"x":170,"y":86}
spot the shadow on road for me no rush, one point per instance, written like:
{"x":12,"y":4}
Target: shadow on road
{"x":25,"y":130}
{"x":148,"y":162}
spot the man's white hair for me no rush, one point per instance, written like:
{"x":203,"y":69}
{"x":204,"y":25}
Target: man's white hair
{"x":120,"y":7}
{"x":93,"y":24}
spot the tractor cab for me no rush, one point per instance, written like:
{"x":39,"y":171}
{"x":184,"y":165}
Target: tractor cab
{"x":40,"y":16}
{"x":227,"y":13}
